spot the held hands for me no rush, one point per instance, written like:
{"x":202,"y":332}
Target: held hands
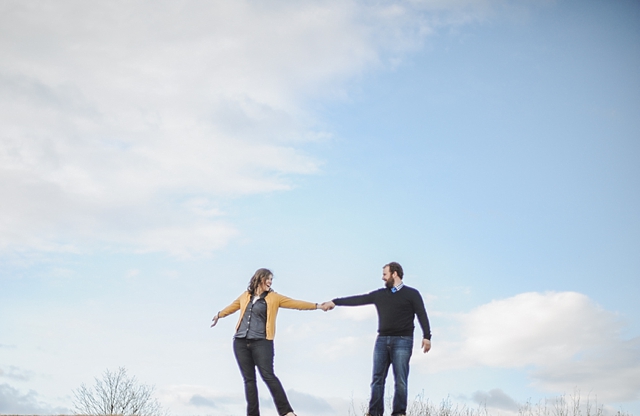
{"x":327,"y":306}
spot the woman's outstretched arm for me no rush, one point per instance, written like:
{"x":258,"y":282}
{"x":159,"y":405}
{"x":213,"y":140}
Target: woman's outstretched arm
{"x":235,"y":306}
{"x":288,"y":303}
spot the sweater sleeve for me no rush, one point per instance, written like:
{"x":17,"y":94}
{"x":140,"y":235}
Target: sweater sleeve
{"x":421,"y":312}
{"x":357,"y":300}
{"x":234,"y":307}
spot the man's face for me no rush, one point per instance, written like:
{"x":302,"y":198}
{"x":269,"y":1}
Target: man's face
{"x":389,"y":280}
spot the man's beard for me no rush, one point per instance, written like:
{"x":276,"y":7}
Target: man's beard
{"x":389,"y":283}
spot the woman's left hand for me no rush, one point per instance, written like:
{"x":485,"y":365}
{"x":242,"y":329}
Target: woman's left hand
{"x":215,"y":320}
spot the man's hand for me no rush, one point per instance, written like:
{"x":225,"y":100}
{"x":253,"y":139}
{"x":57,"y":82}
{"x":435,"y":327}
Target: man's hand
{"x":426,"y":345}
{"x":215,"y":320}
{"x":327,"y":306}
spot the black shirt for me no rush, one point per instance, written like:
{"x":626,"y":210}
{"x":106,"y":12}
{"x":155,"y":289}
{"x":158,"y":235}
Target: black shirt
{"x":254,"y":320}
{"x":396,"y":311}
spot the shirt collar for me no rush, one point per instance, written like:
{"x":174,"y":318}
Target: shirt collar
{"x":262,"y":296}
{"x":397,"y":287}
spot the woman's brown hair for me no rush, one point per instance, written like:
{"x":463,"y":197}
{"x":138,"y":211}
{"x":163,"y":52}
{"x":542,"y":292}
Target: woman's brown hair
{"x":258,"y":277}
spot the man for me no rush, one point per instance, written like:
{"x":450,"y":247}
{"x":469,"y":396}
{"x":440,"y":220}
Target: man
{"x":397,"y":305}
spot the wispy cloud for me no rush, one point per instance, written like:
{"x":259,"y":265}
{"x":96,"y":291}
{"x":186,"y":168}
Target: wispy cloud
{"x":116,"y":117}
{"x":16,"y":373}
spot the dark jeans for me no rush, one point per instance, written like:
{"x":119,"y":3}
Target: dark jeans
{"x":252,"y":353}
{"x":396,"y":351}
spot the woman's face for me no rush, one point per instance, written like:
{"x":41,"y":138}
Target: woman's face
{"x":266,"y":284}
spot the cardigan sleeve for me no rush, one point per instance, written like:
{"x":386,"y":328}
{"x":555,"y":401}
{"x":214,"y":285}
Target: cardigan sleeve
{"x":288,"y":303}
{"x":234,"y":307}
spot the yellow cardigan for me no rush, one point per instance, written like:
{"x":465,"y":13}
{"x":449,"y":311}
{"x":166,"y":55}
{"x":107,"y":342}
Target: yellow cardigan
{"x":274,"y":301}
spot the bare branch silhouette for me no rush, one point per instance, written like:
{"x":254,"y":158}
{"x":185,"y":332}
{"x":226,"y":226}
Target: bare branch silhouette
{"x":116,"y":394}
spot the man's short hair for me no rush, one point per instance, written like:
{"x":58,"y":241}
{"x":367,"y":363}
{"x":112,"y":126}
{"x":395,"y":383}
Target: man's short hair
{"x":395,"y":267}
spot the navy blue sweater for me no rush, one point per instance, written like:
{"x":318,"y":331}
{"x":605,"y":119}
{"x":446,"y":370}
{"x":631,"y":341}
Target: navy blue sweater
{"x":396,"y":311}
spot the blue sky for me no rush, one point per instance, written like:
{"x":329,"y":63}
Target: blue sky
{"x":152,"y":156}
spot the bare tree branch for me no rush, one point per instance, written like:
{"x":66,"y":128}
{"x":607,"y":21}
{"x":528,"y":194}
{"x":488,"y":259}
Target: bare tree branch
{"x":116,"y":394}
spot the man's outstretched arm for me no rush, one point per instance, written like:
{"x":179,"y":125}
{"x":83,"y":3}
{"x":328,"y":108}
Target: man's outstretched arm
{"x":348,"y":301}
{"x":356,"y":300}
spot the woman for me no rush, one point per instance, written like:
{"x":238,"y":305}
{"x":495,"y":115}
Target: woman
{"x":253,"y":341}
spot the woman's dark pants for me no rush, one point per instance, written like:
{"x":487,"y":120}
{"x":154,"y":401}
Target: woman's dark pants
{"x":252,"y":353}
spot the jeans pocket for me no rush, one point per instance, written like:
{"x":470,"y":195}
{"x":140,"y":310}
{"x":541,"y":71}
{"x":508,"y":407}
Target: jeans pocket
{"x":405,"y":342}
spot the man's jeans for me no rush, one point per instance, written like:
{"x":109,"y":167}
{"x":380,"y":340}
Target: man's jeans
{"x":396,"y":351}
{"x":252,"y":353}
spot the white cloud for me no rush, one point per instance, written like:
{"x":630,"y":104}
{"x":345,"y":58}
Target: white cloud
{"x":611,"y":371}
{"x":360,"y":313}
{"x":112,"y":115}
{"x":564,"y":339}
